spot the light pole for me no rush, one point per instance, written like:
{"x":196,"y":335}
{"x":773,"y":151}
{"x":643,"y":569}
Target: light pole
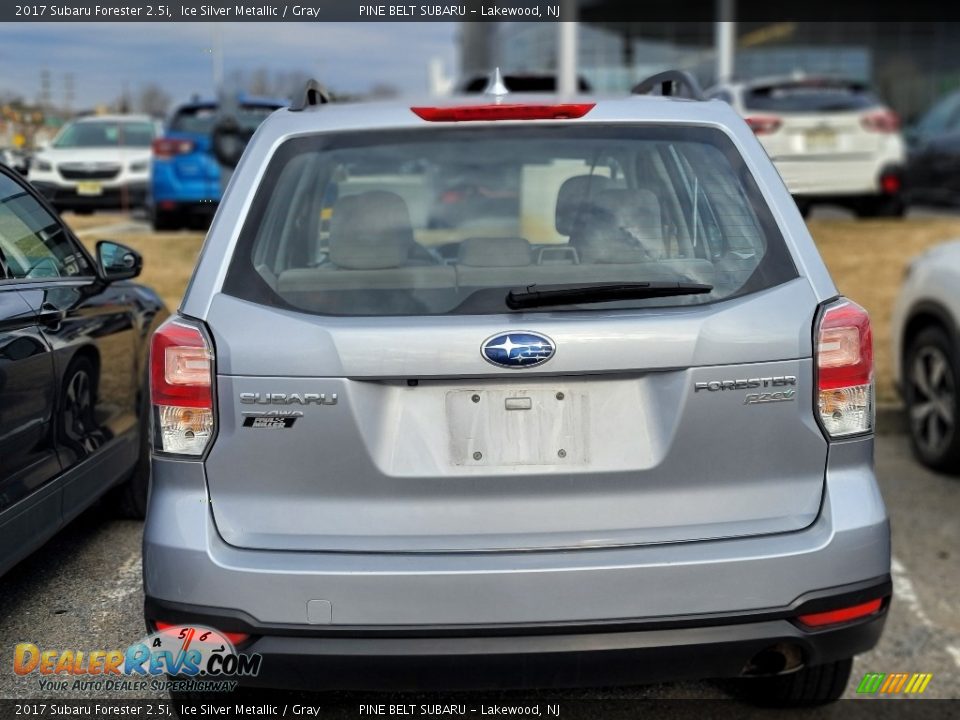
{"x":567,"y":49}
{"x":725,"y":40}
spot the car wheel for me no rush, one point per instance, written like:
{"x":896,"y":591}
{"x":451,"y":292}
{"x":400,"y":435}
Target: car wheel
{"x":930,"y":393}
{"x":881,"y":207}
{"x":813,"y":685}
{"x":165,"y":220}
{"x":78,"y":425}
{"x":129,"y":499}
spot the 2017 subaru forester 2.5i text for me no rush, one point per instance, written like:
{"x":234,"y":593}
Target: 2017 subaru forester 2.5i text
{"x":611,"y":424}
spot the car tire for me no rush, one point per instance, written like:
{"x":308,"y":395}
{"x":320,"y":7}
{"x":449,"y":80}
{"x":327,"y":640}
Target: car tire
{"x":808,"y":686}
{"x":77,"y":426}
{"x":164,"y":220}
{"x":930,"y":382}
{"x":804,"y":207}
{"x":83,"y":211}
{"x":881,"y":207}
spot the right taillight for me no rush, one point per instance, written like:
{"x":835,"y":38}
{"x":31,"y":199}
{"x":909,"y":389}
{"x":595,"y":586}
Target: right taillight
{"x":844,"y":366}
{"x":881,"y":121}
{"x":764,"y":124}
{"x":166,"y":148}
{"x":181,"y":388}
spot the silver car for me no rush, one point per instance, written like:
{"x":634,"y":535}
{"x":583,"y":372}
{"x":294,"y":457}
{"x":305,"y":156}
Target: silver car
{"x":610,"y":424}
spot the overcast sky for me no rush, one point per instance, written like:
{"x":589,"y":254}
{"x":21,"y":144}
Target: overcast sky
{"x":349,"y":57}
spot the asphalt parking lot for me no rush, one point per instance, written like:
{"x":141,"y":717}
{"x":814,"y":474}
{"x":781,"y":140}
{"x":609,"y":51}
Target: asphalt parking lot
{"x":82,"y":591}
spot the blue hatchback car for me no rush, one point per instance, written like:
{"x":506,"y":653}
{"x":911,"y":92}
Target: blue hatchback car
{"x":185,"y":184}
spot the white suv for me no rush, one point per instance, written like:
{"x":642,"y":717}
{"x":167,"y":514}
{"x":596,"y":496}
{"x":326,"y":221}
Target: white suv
{"x":832,"y":140}
{"x":97,"y":162}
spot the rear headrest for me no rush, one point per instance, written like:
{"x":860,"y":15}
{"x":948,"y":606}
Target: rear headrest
{"x":370,"y":231}
{"x":624,"y":227}
{"x":494,"y":252}
{"x":635,"y":211}
{"x":572,"y":200}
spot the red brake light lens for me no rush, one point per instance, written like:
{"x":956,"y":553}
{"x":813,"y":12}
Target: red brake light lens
{"x":181,"y":388}
{"x":166,"y":148}
{"x":764,"y":124}
{"x":844,"y":367}
{"x":881,"y":121}
{"x":509,"y":111}
{"x":890,"y":183}
{"x":847,"y":614}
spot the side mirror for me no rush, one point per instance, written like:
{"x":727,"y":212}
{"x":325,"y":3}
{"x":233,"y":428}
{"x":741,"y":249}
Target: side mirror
{"x":117,"y":262}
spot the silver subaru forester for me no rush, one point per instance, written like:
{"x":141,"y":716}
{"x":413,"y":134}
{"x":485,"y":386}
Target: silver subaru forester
{"x":501,"y":393}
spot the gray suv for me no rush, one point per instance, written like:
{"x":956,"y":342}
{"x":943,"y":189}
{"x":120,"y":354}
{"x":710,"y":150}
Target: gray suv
{"x":610,"y":424}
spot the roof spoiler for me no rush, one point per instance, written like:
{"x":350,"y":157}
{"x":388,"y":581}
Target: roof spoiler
{"x":314,"y":94}
{"x":670,"y":81}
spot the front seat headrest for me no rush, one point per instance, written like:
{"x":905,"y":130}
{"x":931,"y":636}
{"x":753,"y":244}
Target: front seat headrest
{"x":370,"y":231}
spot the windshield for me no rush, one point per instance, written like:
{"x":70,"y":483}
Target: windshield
{"x":105,"y":133}
{"x":199,"y":119}
{"x":447,"y":221}
{"x":809,"y":96}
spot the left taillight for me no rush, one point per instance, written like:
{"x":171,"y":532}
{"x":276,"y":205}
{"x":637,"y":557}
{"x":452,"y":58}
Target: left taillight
{"x":181,"y":388}
{"x":844,"y":366}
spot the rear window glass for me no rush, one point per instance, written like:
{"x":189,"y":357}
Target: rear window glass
{"x":809,"y":97}
{"x":449,"y":220}
{"x":200,"y":119}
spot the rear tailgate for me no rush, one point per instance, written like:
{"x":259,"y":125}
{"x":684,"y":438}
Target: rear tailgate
{"x":616,"y":445}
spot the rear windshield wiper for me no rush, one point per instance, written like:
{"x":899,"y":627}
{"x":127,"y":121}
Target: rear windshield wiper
{"x":545,"y":295}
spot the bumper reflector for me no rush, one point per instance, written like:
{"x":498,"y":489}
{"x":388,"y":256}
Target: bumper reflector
{"x":847,"y":614}
{"x":234,"y":637}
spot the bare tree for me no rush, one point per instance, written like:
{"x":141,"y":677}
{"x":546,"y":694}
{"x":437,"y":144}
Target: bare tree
{"x":153,"y":100}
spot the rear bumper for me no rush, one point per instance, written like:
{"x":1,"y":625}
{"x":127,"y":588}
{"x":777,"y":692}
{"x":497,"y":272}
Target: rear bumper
{"x":537,"y":656}
{"x":186,"y":561}
{"x":830,"y":178}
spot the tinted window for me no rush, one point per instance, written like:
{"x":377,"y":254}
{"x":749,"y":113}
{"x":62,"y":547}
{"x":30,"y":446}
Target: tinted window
{"x":95,"y":133}
{"x":32,"y":242}
{"x":808,"y":96}
{"x":942,"y":116}
{"x":199,"y":119}
{"x":448,"y":220}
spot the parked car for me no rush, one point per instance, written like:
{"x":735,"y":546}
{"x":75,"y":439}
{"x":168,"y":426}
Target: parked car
{"x":932,"y":175}
{"x":96,"y":162}
{"x":15,"y":160}
{"x":628,"y":437}
{"x":832,"y":140}
{"x":186,"y":179}
{"x":926,"y":355}
{"x":73,"y":395}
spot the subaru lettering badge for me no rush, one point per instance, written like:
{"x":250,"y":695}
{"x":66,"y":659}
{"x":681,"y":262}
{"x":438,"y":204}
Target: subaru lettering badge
{"x":517,"y":350}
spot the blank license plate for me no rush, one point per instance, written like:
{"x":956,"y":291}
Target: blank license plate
{"x":821,"y":140}
{"x":89,"y":188}
{"x":517,"y":426}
